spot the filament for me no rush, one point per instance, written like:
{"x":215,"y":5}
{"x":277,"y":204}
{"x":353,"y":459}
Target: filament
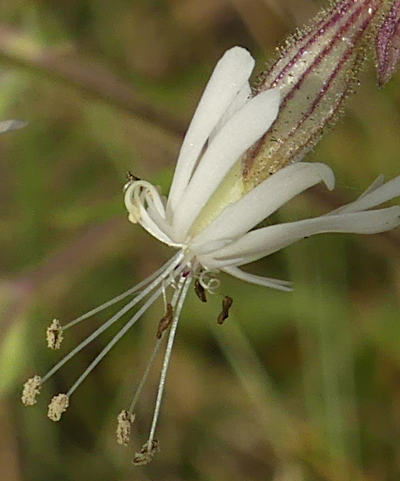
{"x":167,"y":270}
{"x":184,"y":284}
{"x":153,"y":354}
{"x":114,"y":340}
{"x":118,"y":298}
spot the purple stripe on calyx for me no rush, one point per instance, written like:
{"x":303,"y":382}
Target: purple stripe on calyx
{"x":316,"y":72}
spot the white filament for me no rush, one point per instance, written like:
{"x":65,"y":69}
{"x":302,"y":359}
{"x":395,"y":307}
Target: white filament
{"x":183,"y":287}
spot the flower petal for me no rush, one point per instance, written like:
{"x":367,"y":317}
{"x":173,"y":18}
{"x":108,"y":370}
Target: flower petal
{"x":230,"y":74}
{"x":265,"y":199}
{"x":259,"y":280}
{"x":374,"y":196}
{"x":153,"y":228}
{"x":378,"y":182}
{"x":265,"y":241}
{"x":238,"y":102}
{"x":387,"y":44}
{"x":237,"y":135}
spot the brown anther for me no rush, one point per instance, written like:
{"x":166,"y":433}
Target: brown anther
{"x":226,"y":305}
{"x":31,"y":390}
{"x":130,"y":177}
{"x":54,"y":335}
{"x":165,"y":321}
{"x":58,"y":405}
{"x":125,"y":421}
{"x":200,"y":291}
{"x":146,"y":453}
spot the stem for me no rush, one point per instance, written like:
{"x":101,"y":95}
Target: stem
{"x":85,"y":76}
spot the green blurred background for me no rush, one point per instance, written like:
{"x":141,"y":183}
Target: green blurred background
{"x":295,"y":386}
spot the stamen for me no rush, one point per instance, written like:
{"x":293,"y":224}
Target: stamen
{"x":31,"y":390}
{"x":209,"y":281}
{"x":120,"y":297}
{"x":54,"y":335}
{"x":165,"y":321}
{"x":200,"y":291}
{"x":164,"y":293}
{"x":114,"y":340}
{"x":146,"y":453}
{"x":137,"y":194}
{"x":58,"y":405}
{"x":150,"y":363}
{"x":131,"y":177}
{"x":183,"y":286}
{"x":226,"y":305}
{"x":145,"y":376}
{"x":134,"y":215}
{"x":170,"y":266}
{"x":125,"y":421}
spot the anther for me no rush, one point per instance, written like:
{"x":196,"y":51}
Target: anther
{"x":54,"y":335}
{"x":58,"y":405}
{"x":200,"y":291}
{"x":146,"y":453}
{"x":134,"y":214}
{"x":31,"y":390}
{"x":165,"y":321}
{"x":130,"y":177}
{"x":125,"y":420}
{"x":226,"y":305}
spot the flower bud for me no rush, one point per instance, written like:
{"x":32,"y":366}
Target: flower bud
{"x":388,"y":45}
{"x":316,"y":71}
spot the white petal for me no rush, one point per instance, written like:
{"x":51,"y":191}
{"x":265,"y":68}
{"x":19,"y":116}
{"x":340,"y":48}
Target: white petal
{"x":237,"y":135}
{"x":211,"y":246}
{"x":161,"y":223}
{"x":378,"y":182}
{"x":242,"y":97}
{"x":265,"y":199}
{"x":262,"y":242}
{"x":259,"y":280}
{"x":373,"y":197}
{"x":230,"y":74}
{"x":153,"y":228}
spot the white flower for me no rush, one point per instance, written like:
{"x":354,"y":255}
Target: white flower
{"x":210,"y":218}
{"x":210,"y":238}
